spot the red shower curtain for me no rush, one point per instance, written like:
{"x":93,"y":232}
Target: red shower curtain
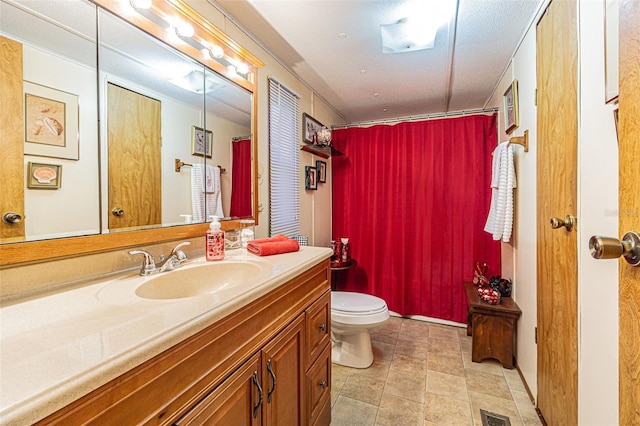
{"x":241,"y":179}
{"x":413,"y":200}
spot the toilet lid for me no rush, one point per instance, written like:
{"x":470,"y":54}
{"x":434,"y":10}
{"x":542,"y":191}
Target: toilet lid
{"x":356,"y":303}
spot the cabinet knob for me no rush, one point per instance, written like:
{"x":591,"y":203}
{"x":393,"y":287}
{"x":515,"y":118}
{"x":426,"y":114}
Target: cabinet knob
{"x":323,"y":327}
{"x":323,"y":384}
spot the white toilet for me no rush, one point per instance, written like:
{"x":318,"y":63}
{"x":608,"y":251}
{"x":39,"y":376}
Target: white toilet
{"x":353,"y":317}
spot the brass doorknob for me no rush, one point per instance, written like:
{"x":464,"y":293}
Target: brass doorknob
{"x":612,"y":248}
{"x":117,"y":211}
{"x":569,"y":222}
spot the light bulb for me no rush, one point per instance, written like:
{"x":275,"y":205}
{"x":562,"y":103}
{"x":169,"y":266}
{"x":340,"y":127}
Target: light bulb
{"x":216,"y":52}
{"x":185,"y":29}
{"x":243,"y":68}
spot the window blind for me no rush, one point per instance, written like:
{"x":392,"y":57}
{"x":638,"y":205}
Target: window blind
{"x":284,"y":163}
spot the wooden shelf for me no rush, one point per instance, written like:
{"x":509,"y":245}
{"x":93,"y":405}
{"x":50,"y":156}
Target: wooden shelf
{"x":321,"y":151}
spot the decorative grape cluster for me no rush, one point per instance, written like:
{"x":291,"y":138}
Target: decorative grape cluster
{"x":489,"y":295}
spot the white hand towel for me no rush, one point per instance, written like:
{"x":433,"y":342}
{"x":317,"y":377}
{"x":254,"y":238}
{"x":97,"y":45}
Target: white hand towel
{"x":197,"y":193}
{"x":206,"y":194}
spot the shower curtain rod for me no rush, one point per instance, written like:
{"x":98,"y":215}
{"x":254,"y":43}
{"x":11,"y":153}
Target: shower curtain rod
{"x":239,"y":138}
{"x":416,"y":118}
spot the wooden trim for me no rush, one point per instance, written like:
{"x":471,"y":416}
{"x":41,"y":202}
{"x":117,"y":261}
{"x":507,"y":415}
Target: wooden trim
{"x":61,"y":248}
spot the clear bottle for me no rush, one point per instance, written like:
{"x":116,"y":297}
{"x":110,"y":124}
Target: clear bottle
{"x":215,"y":240}
{"x":247,"y":233}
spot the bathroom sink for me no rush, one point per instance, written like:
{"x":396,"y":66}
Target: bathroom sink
{"x":199,"y":279}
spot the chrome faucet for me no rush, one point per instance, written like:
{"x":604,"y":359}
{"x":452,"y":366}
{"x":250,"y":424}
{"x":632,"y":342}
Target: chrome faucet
{"x":176,"y":258}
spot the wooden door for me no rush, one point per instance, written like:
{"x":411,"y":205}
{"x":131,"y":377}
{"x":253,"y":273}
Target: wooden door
{"x":556,"y":197}
{"x":283,"y":377}
{"x":135,"y":169}
{"x":234,"y":402}
{"x":12,"y":140}
{"x":629,"y":208}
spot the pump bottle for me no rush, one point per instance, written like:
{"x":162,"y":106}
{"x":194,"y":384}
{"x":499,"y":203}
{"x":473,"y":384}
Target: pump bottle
{"x":215,"y":240}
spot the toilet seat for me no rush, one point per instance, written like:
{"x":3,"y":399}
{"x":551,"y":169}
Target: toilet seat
{"x":357,"y":308}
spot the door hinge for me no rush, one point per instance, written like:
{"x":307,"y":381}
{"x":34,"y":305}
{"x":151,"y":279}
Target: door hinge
{"x":535,"y":335}
{"x":535,"y":98}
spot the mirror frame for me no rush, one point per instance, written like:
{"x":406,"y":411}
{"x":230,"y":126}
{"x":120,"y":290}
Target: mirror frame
{"x":18,"y":253}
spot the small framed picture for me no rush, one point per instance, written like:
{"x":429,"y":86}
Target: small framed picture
{"x":310,"y":178}
{"x":201,"y":141}
{"x":310,"y":127}
{"x":510,"y":98}
{"x":322,"y":171}
{"x":44,"y":176}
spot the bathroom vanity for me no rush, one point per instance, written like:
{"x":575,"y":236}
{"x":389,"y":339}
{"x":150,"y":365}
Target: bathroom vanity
{"x":252,"y":354}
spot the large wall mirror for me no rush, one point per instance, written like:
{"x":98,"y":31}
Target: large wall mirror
{"x":137,"y":116}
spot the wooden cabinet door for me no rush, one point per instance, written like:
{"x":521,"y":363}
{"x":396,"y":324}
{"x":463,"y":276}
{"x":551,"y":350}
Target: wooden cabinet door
{"x":237,"y":401}
{"x":283,"y":377}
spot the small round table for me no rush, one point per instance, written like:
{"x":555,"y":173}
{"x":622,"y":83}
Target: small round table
{"x":337,"y":267}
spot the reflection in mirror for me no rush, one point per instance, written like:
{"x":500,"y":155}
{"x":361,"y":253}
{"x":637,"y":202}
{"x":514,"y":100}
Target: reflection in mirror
{"x":229,"y":119}
{"x":57,"y":119}
{"x":153,"y":100}
{"x":61,"y":47}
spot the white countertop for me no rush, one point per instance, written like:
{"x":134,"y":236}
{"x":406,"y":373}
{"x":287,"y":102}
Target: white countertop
{"x":57,"y":348}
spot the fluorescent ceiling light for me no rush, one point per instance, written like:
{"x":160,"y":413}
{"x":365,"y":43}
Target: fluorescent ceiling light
{"x":195,"y":82}
{"x":406,"y":36}
{"x":418,"y":29}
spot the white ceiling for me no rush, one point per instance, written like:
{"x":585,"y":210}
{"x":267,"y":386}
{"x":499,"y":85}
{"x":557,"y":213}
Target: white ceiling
{"x":361,"y":83}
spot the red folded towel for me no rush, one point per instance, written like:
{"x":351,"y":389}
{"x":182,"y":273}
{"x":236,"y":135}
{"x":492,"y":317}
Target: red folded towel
{"x":275,"y":245}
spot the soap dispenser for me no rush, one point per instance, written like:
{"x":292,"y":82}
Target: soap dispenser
{"x":215,"y":240}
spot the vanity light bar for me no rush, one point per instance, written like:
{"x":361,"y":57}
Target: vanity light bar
{"x":187,"y":32}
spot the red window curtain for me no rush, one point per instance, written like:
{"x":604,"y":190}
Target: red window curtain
{"x":413,"y":200}
{"x":241,"y":179}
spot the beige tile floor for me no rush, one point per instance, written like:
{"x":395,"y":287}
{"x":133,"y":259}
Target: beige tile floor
{"x":422,"y":374}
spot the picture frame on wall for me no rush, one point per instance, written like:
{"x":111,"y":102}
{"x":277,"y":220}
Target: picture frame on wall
{"x":321,"y":166}
{"x":310,"y":127}
{"x":51,"y":124}
{"x":201,"y":142}
{"x":510,"y":100}
{"x":44,"y":176}
{"x":310,"y":178}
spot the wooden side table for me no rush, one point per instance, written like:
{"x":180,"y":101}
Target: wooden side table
{"x":337,"y":267}
{"x":493,"y":328}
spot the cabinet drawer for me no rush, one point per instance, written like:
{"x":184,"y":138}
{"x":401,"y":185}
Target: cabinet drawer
{"x":319,"y":384}
{"x":318,"y":326}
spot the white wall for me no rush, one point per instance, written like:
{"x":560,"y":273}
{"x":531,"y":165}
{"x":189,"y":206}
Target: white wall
{"x":597,"y":204}
{"x":74,"y":207}
{"x":519,"y":256}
